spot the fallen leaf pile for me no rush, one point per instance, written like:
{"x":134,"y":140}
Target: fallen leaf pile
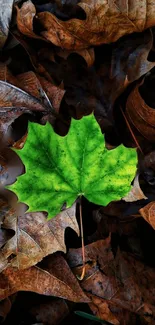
{"x":77,"y":131}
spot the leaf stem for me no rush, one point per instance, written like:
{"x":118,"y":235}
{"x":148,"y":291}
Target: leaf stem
{"x":82,"y":242}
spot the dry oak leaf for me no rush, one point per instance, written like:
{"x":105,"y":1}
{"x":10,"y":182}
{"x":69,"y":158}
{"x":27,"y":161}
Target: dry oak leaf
{"x":106,"y":21}
{"x":35,"y":237}
{"x":148,"y":213}
{"x":54,"y":279}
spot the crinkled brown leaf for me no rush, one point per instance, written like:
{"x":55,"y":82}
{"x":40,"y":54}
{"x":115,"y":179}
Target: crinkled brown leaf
{"x":55,"y":279}
{"x":105,"y":22}
{"x":122,"y":281}
{"x":35,"y":237}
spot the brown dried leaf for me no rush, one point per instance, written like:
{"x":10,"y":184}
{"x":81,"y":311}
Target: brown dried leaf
{"x":148,"y":213}
{"x":35,"y":237}
{"x":55,"y":279}
{"x":100,"y":23}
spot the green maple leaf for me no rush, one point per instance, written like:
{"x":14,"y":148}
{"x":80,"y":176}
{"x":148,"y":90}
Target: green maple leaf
{"x":59,"y":169}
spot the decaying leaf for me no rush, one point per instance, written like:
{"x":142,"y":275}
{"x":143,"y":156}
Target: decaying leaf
{"x":96,"y":173}
{"x":55,"y":279}
{"x":135,"y":49}
{"x":34,"y":237}
{"x":136,"y":193}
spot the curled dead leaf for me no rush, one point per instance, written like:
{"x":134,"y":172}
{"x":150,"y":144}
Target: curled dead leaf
{"x":141,"y":115}
{"x":148,"y":213}
{"x":25,"y":19}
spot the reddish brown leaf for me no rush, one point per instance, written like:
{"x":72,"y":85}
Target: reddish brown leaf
{"x":56,"y":279}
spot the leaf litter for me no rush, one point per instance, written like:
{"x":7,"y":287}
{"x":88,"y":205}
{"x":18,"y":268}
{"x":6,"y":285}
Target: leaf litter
{"x":62,"y":64}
